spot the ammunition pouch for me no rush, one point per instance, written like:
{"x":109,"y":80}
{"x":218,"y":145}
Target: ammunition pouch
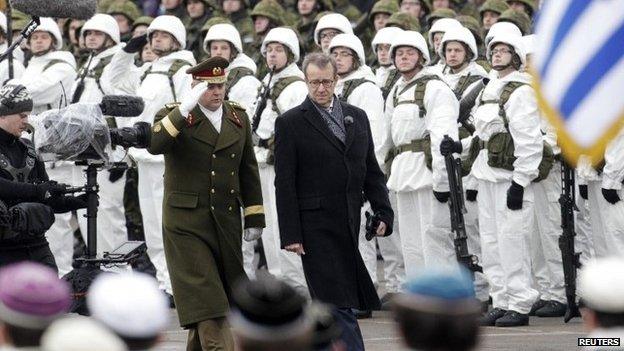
{"x":418,"y":145}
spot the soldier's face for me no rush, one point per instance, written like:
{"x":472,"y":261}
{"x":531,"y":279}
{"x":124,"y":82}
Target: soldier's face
{"x":276,"y":55}
{"x":412,"y":7}
{"x":94,"y":39}
{"x":261,"y":24}
{"x":441,"y":4}
{"x":170,"y":4}
{"x":73,"y":28}
{"x":501,"y":55}
{"x":489,"y":18}
{"x":383,"y":54}
{"x":40,"y":42}
{"x":123,"y":22}
{"x":162,"y":41}
{"x":454,"y":54}
{"x":305,"y":7}
{"x":321,"y":83}
{"x":139,"y":30}
{"x":326,"y":36}
{"x":231,"y":6}
{"x":195,"y":8}
{"x":380,"y":20}
{"x":220,"y":48}
{"x":437,"y":39}
{"x":406,"y":58}
{"x":344,"y":59}
{"x":213,"y":97}
{"x":147,"y":55}
{"x":15,"y":124}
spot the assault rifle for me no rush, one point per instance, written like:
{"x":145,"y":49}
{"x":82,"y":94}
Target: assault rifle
{"x":569,"y":257}
{"x":264,"y":96}
{"x":457,"y":209}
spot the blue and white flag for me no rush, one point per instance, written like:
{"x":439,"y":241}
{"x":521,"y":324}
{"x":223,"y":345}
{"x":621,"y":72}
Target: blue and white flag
{"x":578,"y":67}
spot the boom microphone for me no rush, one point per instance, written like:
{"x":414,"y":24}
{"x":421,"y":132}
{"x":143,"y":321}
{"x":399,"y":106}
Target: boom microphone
{"x":78,"y":9}
{"x":122,"y":105}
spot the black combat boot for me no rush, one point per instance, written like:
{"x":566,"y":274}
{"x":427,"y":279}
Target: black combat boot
{"x":552,"y":309}
{"x":537,"y":305}
{"x":512,"y":319}
{"x":490,"y":318}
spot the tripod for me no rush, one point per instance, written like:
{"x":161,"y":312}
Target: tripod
{"x":89,"y":265}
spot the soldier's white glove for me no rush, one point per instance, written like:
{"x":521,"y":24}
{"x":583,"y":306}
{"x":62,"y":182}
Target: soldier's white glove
{"x":189,"y":102}
{"x":251,"y":234}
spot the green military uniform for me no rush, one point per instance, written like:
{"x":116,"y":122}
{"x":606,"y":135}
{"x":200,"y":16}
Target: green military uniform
{"x":210,"y":177}
{"x":404,"y":21}
{"x":242,"y":21}
{"x":305,"y":26}
{"x":346,"y":8}
{"x":194,"y":39}
{"x":367,"y":32}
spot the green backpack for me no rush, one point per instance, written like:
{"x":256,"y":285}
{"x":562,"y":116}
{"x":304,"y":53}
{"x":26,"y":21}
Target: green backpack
{"x":173,"y":69}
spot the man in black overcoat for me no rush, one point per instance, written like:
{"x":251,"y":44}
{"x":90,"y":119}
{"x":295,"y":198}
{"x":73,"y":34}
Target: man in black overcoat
{"x":325,"y":165}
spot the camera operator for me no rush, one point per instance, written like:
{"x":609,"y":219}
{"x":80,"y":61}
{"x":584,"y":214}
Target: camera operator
{"x":23,"y":178}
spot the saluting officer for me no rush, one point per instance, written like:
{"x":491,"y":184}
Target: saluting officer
{"x":210,"y":173}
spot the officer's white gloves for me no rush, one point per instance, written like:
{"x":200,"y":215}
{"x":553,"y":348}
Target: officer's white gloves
{"x":251,"y":234}
{"x":189,"y":102}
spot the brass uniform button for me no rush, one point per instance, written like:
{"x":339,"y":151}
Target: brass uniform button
{"x":213,"y":173}
{"x":232,"y":191}
{"x":212,"y":190}
{"x":233,"y":155}
{"x":230,"y":208}
{"x":214,"y":156}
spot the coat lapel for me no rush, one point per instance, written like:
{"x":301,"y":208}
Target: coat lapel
{"x":349,"y":127}
{"x":230,"y":132}
{"x":205,"y":131}
{"x":312,"y":115}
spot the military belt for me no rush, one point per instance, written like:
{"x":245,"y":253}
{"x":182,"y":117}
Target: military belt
{"x":417,"y":145}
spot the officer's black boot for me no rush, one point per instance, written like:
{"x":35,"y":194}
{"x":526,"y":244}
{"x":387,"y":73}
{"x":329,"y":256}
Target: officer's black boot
{"x":512,"y":319}
{"x":552,"y":309}
{"x":491,"y":317}
{"x":537,"y":305}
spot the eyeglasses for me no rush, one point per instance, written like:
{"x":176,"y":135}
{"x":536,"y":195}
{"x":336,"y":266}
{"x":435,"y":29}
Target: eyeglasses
{"x":342,"y":54}
{"x":501,"y":51}
{"x":328,"y":35}
{"x":327,"y":83}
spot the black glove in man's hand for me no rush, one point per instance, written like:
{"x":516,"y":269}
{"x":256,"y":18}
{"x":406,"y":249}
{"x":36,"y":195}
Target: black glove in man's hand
{"x":135,"y":45}
{"x":442,"y":196}
{"x":49,"y":189}
{"x":515,"y":194}
{"x":64,"y":204}
{"x":471,"y":195}
{"x":115,"y":174}
{"x":583,"y":191}
{"x":611,"y":195}
{"x":449,"y":146}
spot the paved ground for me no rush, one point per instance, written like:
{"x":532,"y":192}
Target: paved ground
{"x":542,"y":334}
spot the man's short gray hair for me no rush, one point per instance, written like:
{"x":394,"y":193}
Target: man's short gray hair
{"x":320,"y":60}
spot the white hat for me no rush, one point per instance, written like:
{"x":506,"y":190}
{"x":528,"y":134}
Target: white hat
{"x":528,"y":41}
{"x":413,"y":39}
{"x":171,"y":25}
{"x":601,"y":285}
{"x":385,"y":36}
{"x":3,"y":22}
{"x":282,"y":35}
{"x":334,"y":21}
{"x":225,"y":32}
{"x":498,"y":28}
{"x":102,"y":23}
{"x":460,"y":34}
{"x":50,"y":26}
{"x":349,"y":41}
{"x":441,"y":26}
{"x":79,"y":334}
{"x":511,"y":40}
{"x":130,"y":304}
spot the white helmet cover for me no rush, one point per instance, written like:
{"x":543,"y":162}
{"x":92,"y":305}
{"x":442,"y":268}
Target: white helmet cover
{"x":504,"y":28}
{"x":413,"y":39}
{"x":462,"y":35}
{"x":334,"y":21}
{"x":102,"y":23}
{"x":514,"y":41}
{"x":385,"y":36}
{"x":225,"y":32}
{"x":171,"y":25}
{"x":282,"y":35}
{"x":50,"y":26}
{"x":442,"y":26}
{"x":352,"y":42}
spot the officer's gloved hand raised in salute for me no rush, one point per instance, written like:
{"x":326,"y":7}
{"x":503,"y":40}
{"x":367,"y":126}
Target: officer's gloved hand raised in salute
{"x":191,"y":100}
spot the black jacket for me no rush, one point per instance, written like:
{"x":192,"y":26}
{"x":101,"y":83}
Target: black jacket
{"x":320,"y":183}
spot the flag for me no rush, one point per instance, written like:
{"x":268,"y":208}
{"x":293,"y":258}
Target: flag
{"x":578,"y":66}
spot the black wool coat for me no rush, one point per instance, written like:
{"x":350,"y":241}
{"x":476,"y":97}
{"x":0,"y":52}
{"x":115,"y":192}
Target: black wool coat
{"x":320,"y":183}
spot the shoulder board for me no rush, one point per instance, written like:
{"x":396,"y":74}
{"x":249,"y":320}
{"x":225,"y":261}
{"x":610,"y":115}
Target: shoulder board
{"x":171,"y":106}
{"x":235,"y":104}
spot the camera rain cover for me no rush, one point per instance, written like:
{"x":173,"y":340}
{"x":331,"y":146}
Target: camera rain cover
{"x":76,"y":132}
